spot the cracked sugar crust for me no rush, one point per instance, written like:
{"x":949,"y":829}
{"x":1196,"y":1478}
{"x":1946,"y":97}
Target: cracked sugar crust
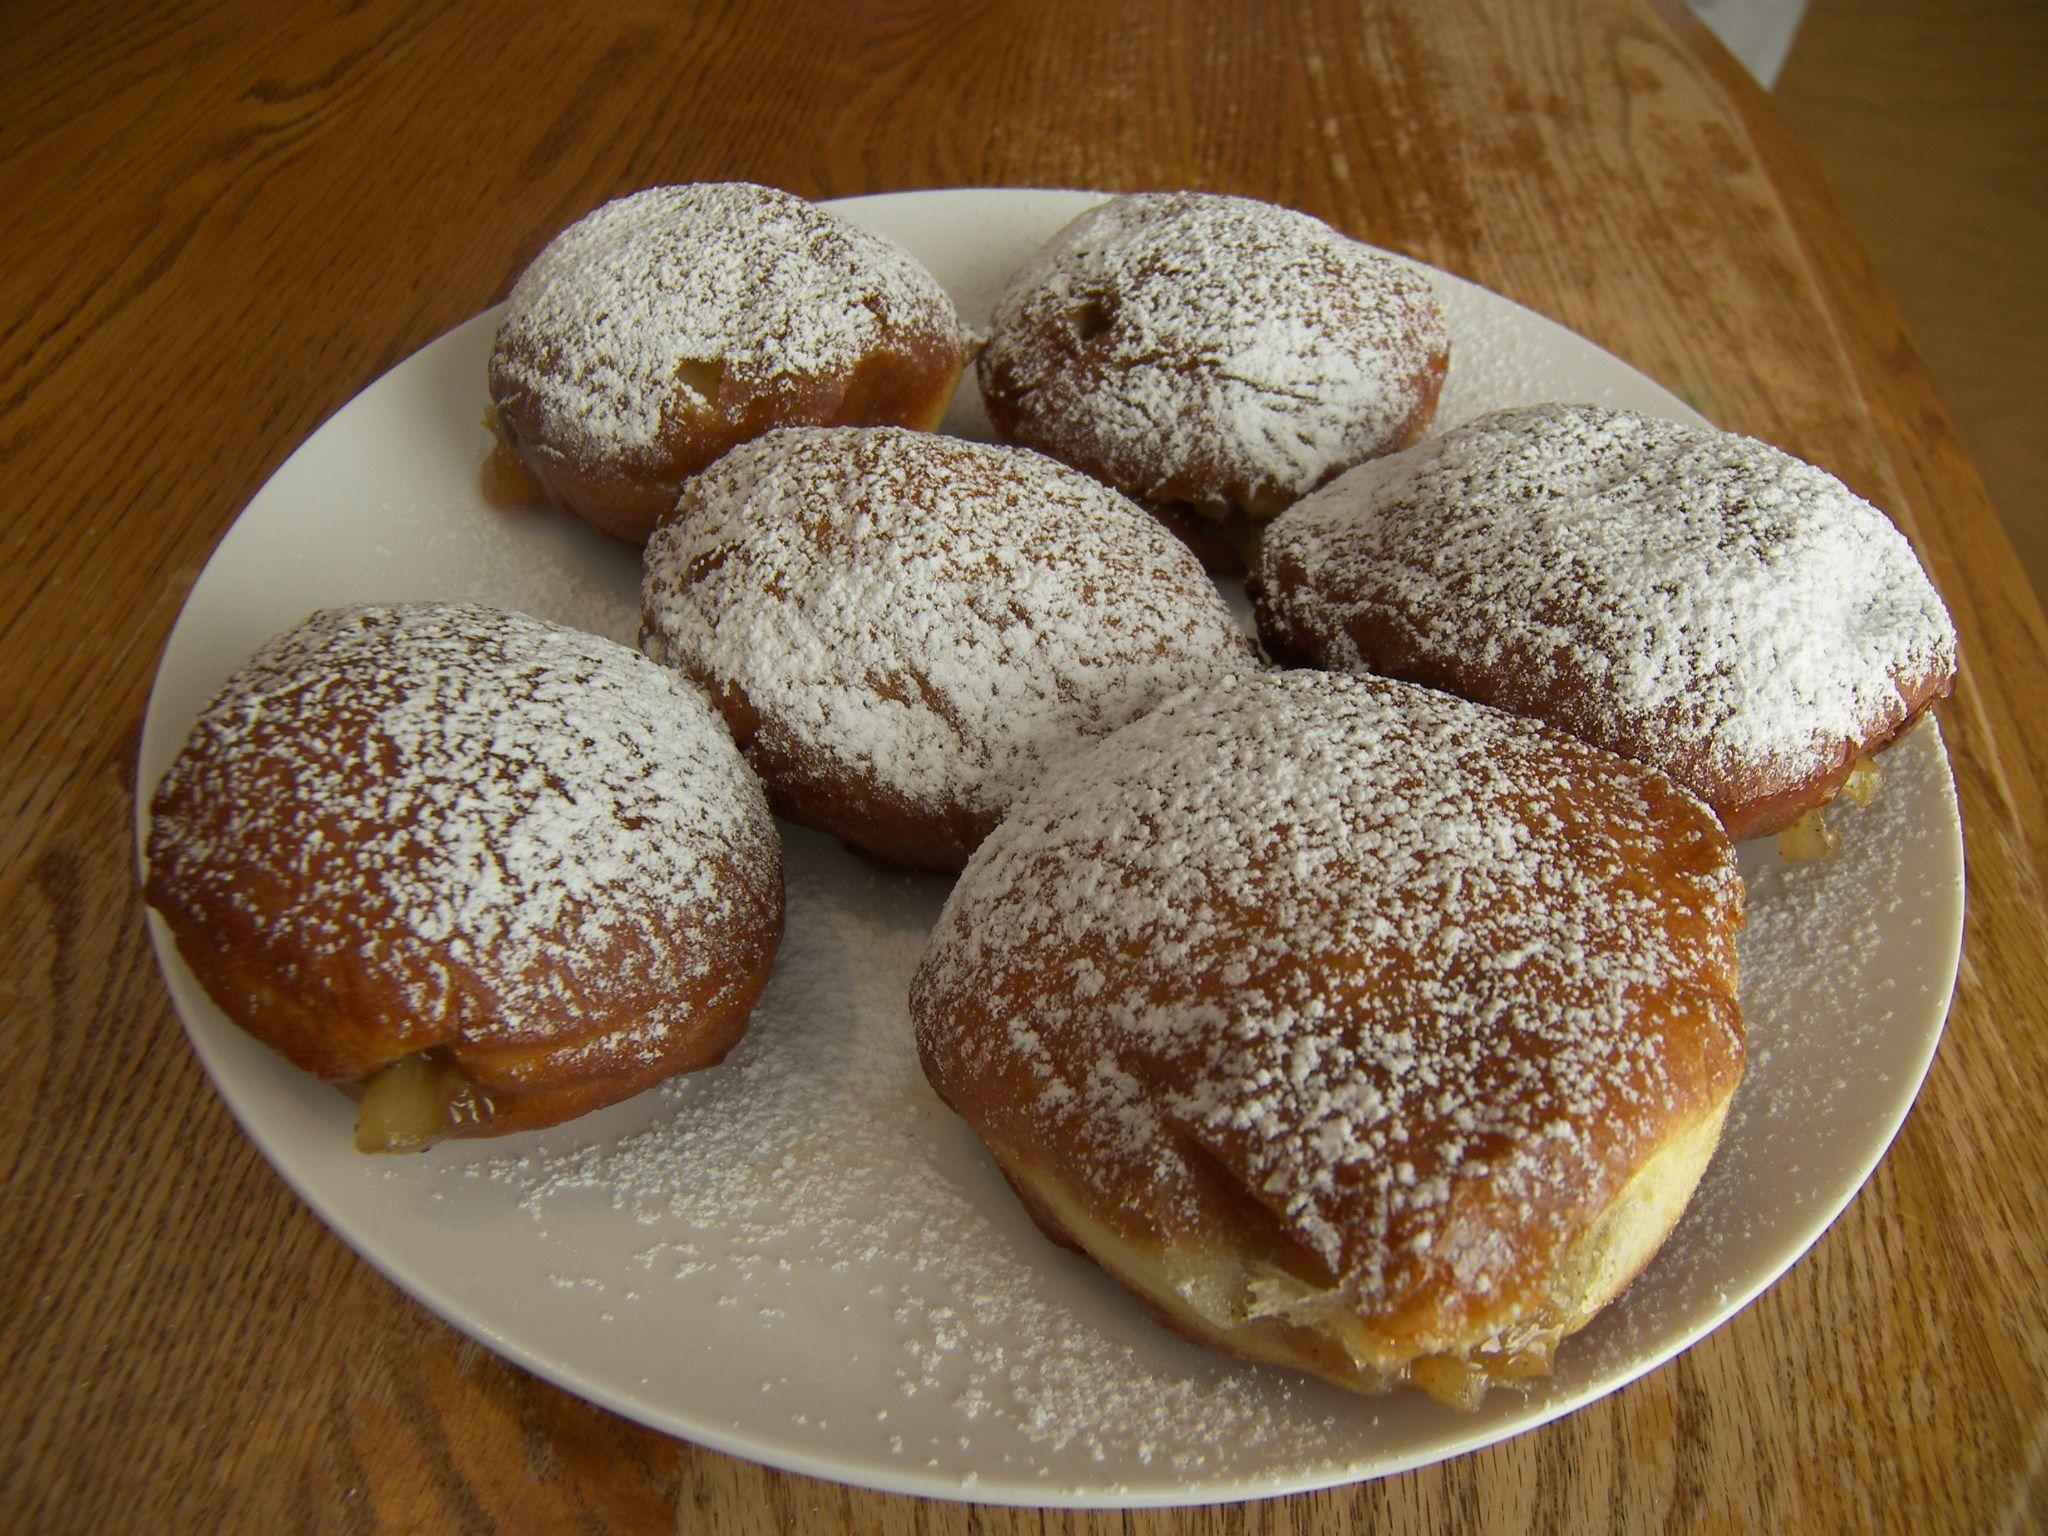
{"x":1690,"y":598}
{"x":602,"y":332}
{"x":915,"y":628}
{"x":1214,"y":351}
{"x":473,"y":827}
{"x":1423,"y":981}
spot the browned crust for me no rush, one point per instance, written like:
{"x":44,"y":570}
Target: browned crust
{"x":1754,"y":805}
{"x":1434,"y":1313}
{"x":907,"y":381}
{"x":331,"y":1016}
{"x":814,"y":790}
{"x":281,"y":903}
{"x":1192,"y":1195}
{"x":1216,"y":513}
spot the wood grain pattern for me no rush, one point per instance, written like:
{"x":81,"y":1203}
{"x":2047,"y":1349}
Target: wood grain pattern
{"x":1928,"y":117}
{"x":227,"y":219}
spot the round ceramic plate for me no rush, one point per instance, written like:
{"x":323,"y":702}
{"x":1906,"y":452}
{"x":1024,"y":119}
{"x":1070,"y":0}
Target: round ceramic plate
{"x":801,"y":1257}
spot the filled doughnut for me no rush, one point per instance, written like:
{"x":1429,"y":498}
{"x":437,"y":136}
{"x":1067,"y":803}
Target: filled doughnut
{"x":1212,"y":357}
{"x":656,"y":332}
{"x":904,"y":631}
{"x":1690,"y":598}
{"x":1348,"y":1025}
{"x":481,"y":871}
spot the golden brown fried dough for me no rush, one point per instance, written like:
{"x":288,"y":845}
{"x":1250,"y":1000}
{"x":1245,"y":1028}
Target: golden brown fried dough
{"x":1350,"y":1026}
{"x":658,"y":331}
{"x":904,"y":631}
{"x":1213,"y":358}
{"x":1689,"y":598}
{"x":486,"y":872}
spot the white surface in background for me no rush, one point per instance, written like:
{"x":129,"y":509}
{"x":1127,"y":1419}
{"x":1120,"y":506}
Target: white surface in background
{"x":1758,"y":32}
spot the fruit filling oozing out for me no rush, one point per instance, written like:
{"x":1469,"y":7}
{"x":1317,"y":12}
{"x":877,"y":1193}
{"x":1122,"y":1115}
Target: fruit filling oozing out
{"x":417,"y":1101}
{"x":1810,"y":837}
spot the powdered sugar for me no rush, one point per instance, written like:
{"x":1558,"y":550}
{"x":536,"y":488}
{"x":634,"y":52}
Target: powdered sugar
{"x":1171,"y":339}
{"x":814,"y":1176}
{"x":1687,"y":597}
{"x":938,"y":618}
{"x":1365,"y":943}
{"x":455,"y":799}
{"x":600,"y":327}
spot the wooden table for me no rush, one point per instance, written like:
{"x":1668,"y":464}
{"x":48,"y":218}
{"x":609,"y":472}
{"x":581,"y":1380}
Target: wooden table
{"x":223,"y":221}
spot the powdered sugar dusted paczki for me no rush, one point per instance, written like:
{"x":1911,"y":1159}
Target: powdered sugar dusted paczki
{"x":1687,"y":597}
{"x":469,"y":826}
{"x":1215,"y":351}
{"x":1424,"y":981}
{"x":771,"y":289}
{"x":908,"y":630}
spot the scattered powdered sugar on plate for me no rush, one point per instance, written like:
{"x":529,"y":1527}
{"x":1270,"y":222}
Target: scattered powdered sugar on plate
{"x":813,"y":1189}
{"x":534,"y":560}
{"x":816,"y":1161}
{"x":1805,"y":1124}
{"x":1491,"y":364}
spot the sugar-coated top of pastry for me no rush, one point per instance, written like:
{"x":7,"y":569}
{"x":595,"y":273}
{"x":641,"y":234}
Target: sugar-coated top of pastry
{"x":498,"y":817}
{"x":1166,"y":335}
{"x":602,"y":326}
{"x":945,"y":617}
{"x":1685,"y":596}
{"x":1422,"y":979}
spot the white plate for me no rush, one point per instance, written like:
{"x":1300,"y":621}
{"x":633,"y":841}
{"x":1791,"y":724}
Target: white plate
{"x":801,"y":1257}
